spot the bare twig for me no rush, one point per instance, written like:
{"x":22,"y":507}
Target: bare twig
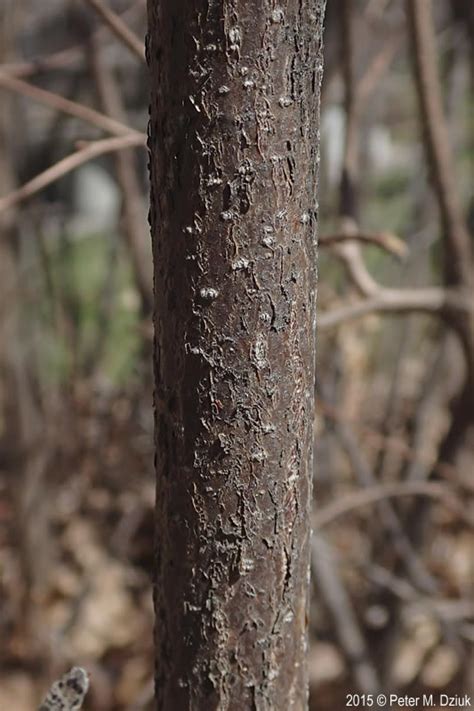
{"x":375,"y":9}
{"x":415,"y":469}
{"x":72,"y":108}
{"x":56,"y":60}
{"x":458,"y":261}
{"x":377,"y":68}
{"x":436,"y":301}
{"x":119,"y":28}
{"x":394,"y":399}
{"x":447,"y":611}
{"x":328,"y":582}
{"x":387,"y":513}
{"x":439,"y":301}
{"x":451,"y":610}
{"x":65,"y":57}
{"x":356,"y":96}
{"x":87,"y":152}
{"x":380,"y":492}
{"x":350,"y":166}
{"x":134,"y":209}
{"x":378,"y":440}
{"x":385,"y":240}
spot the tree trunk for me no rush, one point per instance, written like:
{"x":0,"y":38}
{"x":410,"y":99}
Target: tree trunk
{"x":234,"y":161}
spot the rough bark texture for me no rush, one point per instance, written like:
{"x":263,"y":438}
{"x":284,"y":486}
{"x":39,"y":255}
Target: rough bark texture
{"x":234,"y":159}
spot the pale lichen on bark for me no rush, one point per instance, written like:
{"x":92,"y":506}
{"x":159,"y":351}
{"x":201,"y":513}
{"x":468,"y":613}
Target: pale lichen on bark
{"x":234,"y":159}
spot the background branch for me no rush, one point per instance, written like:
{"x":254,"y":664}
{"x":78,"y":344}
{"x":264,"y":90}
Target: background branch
{"x":385,"y":240}
{"x":59,"y":103}
{"x":88,"y":152}
{"x":115,"y":23}
{"x":458,"y":262}
{"x":135,"y":225}
{"x":380,"y":492}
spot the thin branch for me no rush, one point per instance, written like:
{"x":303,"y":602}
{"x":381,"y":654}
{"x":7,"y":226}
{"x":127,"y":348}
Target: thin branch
{"x":458,"y":261}
{"x":387,"y":513}
{"x":385,"y":240}
{"x":329,"y":584}
{"x":427,"y":403}
{"x":87,"y":152}
{"x":439,"y":301}
{"x":379,"y":492}
{"x":350,"y":166}
{"x":446,"y":610}
{"x":65,"y":57}
{"x":56,"y":60}
{"x":119,"y":28}
{"x":134,"y":208}
{"x":375,"y":9}
{"x":72,"y":108}
{"x":377,"y":68}
{"x":351,"y":257}
{"x":397,"y":444}
{"x":435,"y":301}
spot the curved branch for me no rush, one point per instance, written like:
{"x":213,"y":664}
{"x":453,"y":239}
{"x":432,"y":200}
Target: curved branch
{"x":440,"y":301}
{"x":436,"y":301}
{"x":379,"y":492}
{"x":385,"y":240}
{"x":66,"y":165}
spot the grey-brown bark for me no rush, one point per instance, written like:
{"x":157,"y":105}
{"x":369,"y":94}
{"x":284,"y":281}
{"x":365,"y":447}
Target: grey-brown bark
{"x":234,"y":156}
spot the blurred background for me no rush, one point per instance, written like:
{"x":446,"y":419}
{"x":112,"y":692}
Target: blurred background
{"x":392,"y":599}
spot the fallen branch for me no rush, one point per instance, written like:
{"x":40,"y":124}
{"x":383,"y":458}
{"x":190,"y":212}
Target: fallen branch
{"x":87,"y":152}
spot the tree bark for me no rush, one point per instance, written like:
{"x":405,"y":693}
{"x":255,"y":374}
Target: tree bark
{"x":233,"y":162}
